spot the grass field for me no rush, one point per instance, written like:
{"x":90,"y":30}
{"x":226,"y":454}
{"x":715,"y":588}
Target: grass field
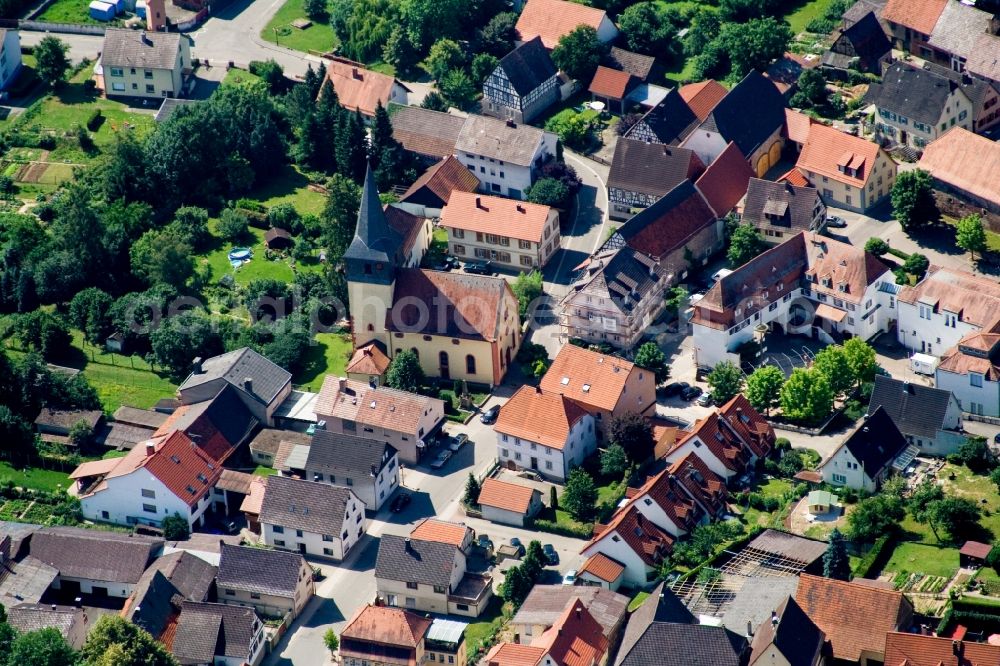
{"x":317,"y":37}
{"x":290,"y":186}
{"x":923,"y":558}
{"x":257,"y":268}
{"x":806,"y":11}
{"x":235,"y":77}
{"x":263,"y":470}
{"x":328,"y":356}
{"x":637,"y":601}
{"x":70,"y":11}
{"x":35,"y":478}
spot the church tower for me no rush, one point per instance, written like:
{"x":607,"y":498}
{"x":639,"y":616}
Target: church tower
{"x":372,"y":261}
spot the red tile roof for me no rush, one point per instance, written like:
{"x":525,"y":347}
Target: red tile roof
{"x":443,"y":178}
{"x":515,"y":654}
{"x":481,"y":213}
{"x":905,"y":649}
{"x":645,"y":539}
{"x":576,"y":639}
{"x":976,"y":549}
{"x":588,"y":377}
{"x":702,"y":483}
{"x":965,"y":161}
{"x":368,"y":360}
{"x":919,"y":15}
{"x":725,"y":181}
{"x":440,"y":531}
{"x":703,"y":96}
{"x":827,"y":148}
{"x":357,"y":87}
{"x":601,"y":566}
{"x":539,"y":416}
{"x":553,"y":19}
{"x":667,"y":492}
{"x":505,"y":495}
{"x":724,"y":444}
{"x":386,"y":626}
{"x":610,"y":83}
{"x":797,"y":125}
{"x":689,"y":215}
{"x":750,"y":424}
{"x":794,"y":177}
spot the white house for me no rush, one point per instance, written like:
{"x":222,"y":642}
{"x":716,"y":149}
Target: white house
{"x":929,"y":418}
{"x":368,"y":467}
{"x":137,"y":63}
{"x":504,"y":156}
{"x":632,"y":541}
{"x":665,"y":502}
{"x":601,"y":571}
{"x":809,"y":285}
{"x":312,"y":518}
{"x":971,"y":372}
{"x":159,"y":478}
{"x":551,"y":20}
{"x":545,"y":432}
{"x":10,"y":57}
{"x":864,"y":460}
{"x":508,"y":503}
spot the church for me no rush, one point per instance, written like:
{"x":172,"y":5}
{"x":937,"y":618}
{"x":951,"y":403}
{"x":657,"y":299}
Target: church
{"x":460,"y":326}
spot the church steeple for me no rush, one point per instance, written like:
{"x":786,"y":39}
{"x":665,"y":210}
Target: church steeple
{"x":374,"y":253}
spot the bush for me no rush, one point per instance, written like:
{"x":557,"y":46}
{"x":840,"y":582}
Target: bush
{"x":176,"y":528}
{"x":876,"y":557}
{"x":552,"y":527}
{"x":94,"y":120}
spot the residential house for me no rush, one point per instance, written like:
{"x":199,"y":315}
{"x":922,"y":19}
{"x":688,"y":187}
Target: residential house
{"x":861,"y":47}
{"x":368,"y":364}
{"x":430,"y":575}
{"x":702,"y":97}
{"x":963,"y":165}
{"x":601,"y":572}
{"x":611,"y":86}
{"x":911,"y":23}
{"x":797,"y":126}
{"x":510,"y":233}
{"x":475,"y":320}
{"x":848,"y":171}
{"x":809,"y":284}
{"x":725,"y":181}
{"x":544,"y":432}
{"x":661,"y":606}
{"x":868,"y":455}
{"x":56,"y":425}
{"x":945,"y":307}
{"x":574,"y":638}
{"x":903,"y":647}
{"x":360,"y":89}
{"x":153,"y":481}
{"x":856,"y":637}
{"x":434,"y":187}
{"x":399,"y":419}
{"x":443,"y":531}
{"x":704,"y":486}
{"x":954,"y":37}
{"x":634,"y":541}
{"x":94,"y":562}
{"x":219,"y":425}
{"x":617,"y":298}
{"x":169,"y":581}
{"x":509,"y":503}
{"x":605,"y":386}
{"x":715,"y":441}
{"x":522,"y":85}
{"x":982,"y":60}
{"x":430,"y":135}
{"x":137,"y":63}
{"x":916,"y":105}
{"x":664,"y":501}
{"x":252,"y":503}
{"x":218,"y":635}
{"x":690,"y":644}
{"x":781,"y":210}
{"x":69,"y":621}
{"x":641,"y":173}
{"x":551,"y":20}
{"x":786,"y":70}
{"x":758,"y":135}
{"x":381,"y":636}
{"x":366,"y":466}
{"x":10,"y":57}
{"x":265,"y":443}
{"x":672,"y":120}
{"x":444,"y":642}
{"x":312,"y":518}
{"x":261,"y":384}
{"x":504,"y":155}
{"x":930,"y":418}
{"x":790,"y":638}
{"x":275,"y":582}
{"x":862,"y":8}
{"x":971,"y":372}
{"x":545,"y":605}
{"x":642,"y":67}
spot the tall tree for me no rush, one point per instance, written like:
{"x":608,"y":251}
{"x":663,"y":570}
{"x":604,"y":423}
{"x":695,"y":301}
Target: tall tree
{"x":861,"y":360}
{"x":726,"y":380}
{"x":652,"y":358}
{"x":614,"y":461}
{"x":763,"y":389}
{"x":445,"y":55}
{"x":970,"y":235}
{"x":340,"y":216}
{"x":389,"y":159}
{"x":806,"y":396}
{"x":114,"y":641}
{"x":632,"y":432}
{"x":89,"y":311}
{"x":351,"y":146}
{"x":51,"y":63}
{"x":498,"y":35}
{"x":405,"y":372}
{"x":754,"y":44}
{"x":836,"y":563}
{"x":578,"y":53}
{"x":580,"y":496}
{"x":42,"y":647}
{"x":472,"y":488}
{"x":649,"y":28}
{"x":913,"y":201}
{"x":527,"y":287}
{"x":745,"y":243}
{"x":832,"y":363}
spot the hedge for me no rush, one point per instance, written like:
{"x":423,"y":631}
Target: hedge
{"x":552,"y":527}
{"x":875,"y":559}
{"x":899,"y":253}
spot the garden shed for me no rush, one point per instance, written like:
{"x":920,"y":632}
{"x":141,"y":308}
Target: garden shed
{"x":277,"y":239}
{"x":102,"y":11}
{"x":821,"y":502}
{"x":973,"y":554}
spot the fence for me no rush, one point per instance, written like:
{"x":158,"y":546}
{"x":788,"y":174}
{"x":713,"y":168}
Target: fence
{"x":993,"y":420}
{"x":68,"y":28}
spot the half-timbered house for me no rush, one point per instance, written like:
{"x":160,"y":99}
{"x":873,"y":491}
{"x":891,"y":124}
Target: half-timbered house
{"x":524,"y":84}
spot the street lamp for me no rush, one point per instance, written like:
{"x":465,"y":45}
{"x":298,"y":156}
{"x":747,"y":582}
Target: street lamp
{"x":275,"y":35}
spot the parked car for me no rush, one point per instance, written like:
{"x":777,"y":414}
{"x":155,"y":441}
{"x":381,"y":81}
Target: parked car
{"x":457,"y":441}
{"x":400,"y":502}
{"x":569,"y":578}
{"x":479,"y":267}
{"x":690,"y":393}
{"x":996,"y":438}
{"x":551,"y":556}
{"x":675,"y":388}
{"x":705,"y":399}
{"x":490,"y":415}
{"x":834,"y":222}
{"x":484,"y":542}
{"x":517,"y":546}
{"x":441,"y":459}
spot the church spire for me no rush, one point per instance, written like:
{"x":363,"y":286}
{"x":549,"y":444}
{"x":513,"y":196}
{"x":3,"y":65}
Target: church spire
{"x":376,"y":245}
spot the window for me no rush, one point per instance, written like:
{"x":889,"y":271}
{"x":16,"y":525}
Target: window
{"x":230,"y":593}
{"x":459,"y":249}
{"x":298,"y":533}
{"x":839,"y":478}
{"x":411,"y":586}
{"x":278,"y":529}
{"x":255,"y":595}
{"x":439,"y":589}
{"x":463,"y":607}
{"x":117,"y":71}
{"x":118,"y":87}
{"x":148,"y":493}
{"x":470,"y":364}
{"x":148,"y":73}
{"x":328,"y":551}
{"x":327,"y":537}
{"x":524,"y":245}
{"x":458,"y":233}
{"x":317,"y":477}
{"x":150,"y":88}
{"x":149,"y":508}
{"x":975,"y":380}
{"x":505,"y":453}
{"x":548,"y":464}
{"x":517,"y":455}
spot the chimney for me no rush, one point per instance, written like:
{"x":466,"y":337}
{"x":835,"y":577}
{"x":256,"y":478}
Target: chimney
{"x":957,"y":648}
{"x":150,"y":448}
{"x":520,"y":208}
{"x":511,"y":123}
{"x":407,"y":545}
{"x":749,"y":629}
{"x":78,"y":602}
{"x":775,"y":619}
{"x":248,"y":384}
{"x":479,"y":203}
{"x":579,"y":613}
{"x":54,"y":606}
{"x":196,"y":365}
{"x":355,"y":73}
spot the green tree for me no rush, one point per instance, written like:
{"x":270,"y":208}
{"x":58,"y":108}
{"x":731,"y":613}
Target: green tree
{"x":233,"y":225}
{"x":975,"y":454}
{"x":763,"y":389}
{"x":754,"y":44}
{"x":445,"y":55}
{"x":400,"y":52}
{"x":812,"y":91}
{"x":340,"y":216}
{"x":331,"y":641}
{"x":272,"y":74}
{"x":17,"y":441}
{"x":674,"y":298}
{"x":457,"y":87}
{"x":614,"y":461}
{"x":498,"y":35}
{"x":705,"y":540}
{"x":726,"y":380}
{"x":836,"y":564}
{"x":876,"y":246}
{"x":516,"y":586}
{"x":472,"y":488}
{"x":861,"y":361}
{"x":832,"y":363}
{"x":162,"y":257}
{"x":405,"y":373}
{"x":42,"y":331}
{"x":649,"y":28}
{"x":389,"y":160}
{"x":806,"y":396}
{"x":42,"y":647}
{"x":573,"y":129}
{"x":705,"y":27}
{"x":351,"y":146}
{"x":913,"y":201}
{"x":580,"y":495}
{"x":652,"y":358}
{"x":88,"y":311}
{"x":745,"y":243}
{"x":176,"y":528}
{"x":549,"y":192}
{"x":875,"y":516}
{"x":578,"y":53}
{"x":534,"y":560}
{"x":916,"y":265}
{"x":317,"y":10}
{"x":527,"y":287}
{"x":177,"y":340}
{"x":114,"y":641}
{"x":970,"y":235}
{"x":921,"y":504}
{"x":633,"y":433}
{"x":51,"y":63}
{"x":482,"y":66}
{"x":434,"y":101}
{"x":80,"y":434}
{"x":957,"y":516}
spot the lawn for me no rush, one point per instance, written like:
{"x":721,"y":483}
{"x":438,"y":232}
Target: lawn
{"x":637,"y":601}
{"x":805,"y":12}
{"x":257,"y":268}
{"x":263,"y":470}
{"x":317,"y":37}
{"x":70,"y":11}
{"x":923,"y":558}
{"x":327,"y":356}
{"x":290,"y":186}
{"x":487,"y":623}
{"x":35,"y":478}
{"x":235,"y":77}
{"x":680,"y":71}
